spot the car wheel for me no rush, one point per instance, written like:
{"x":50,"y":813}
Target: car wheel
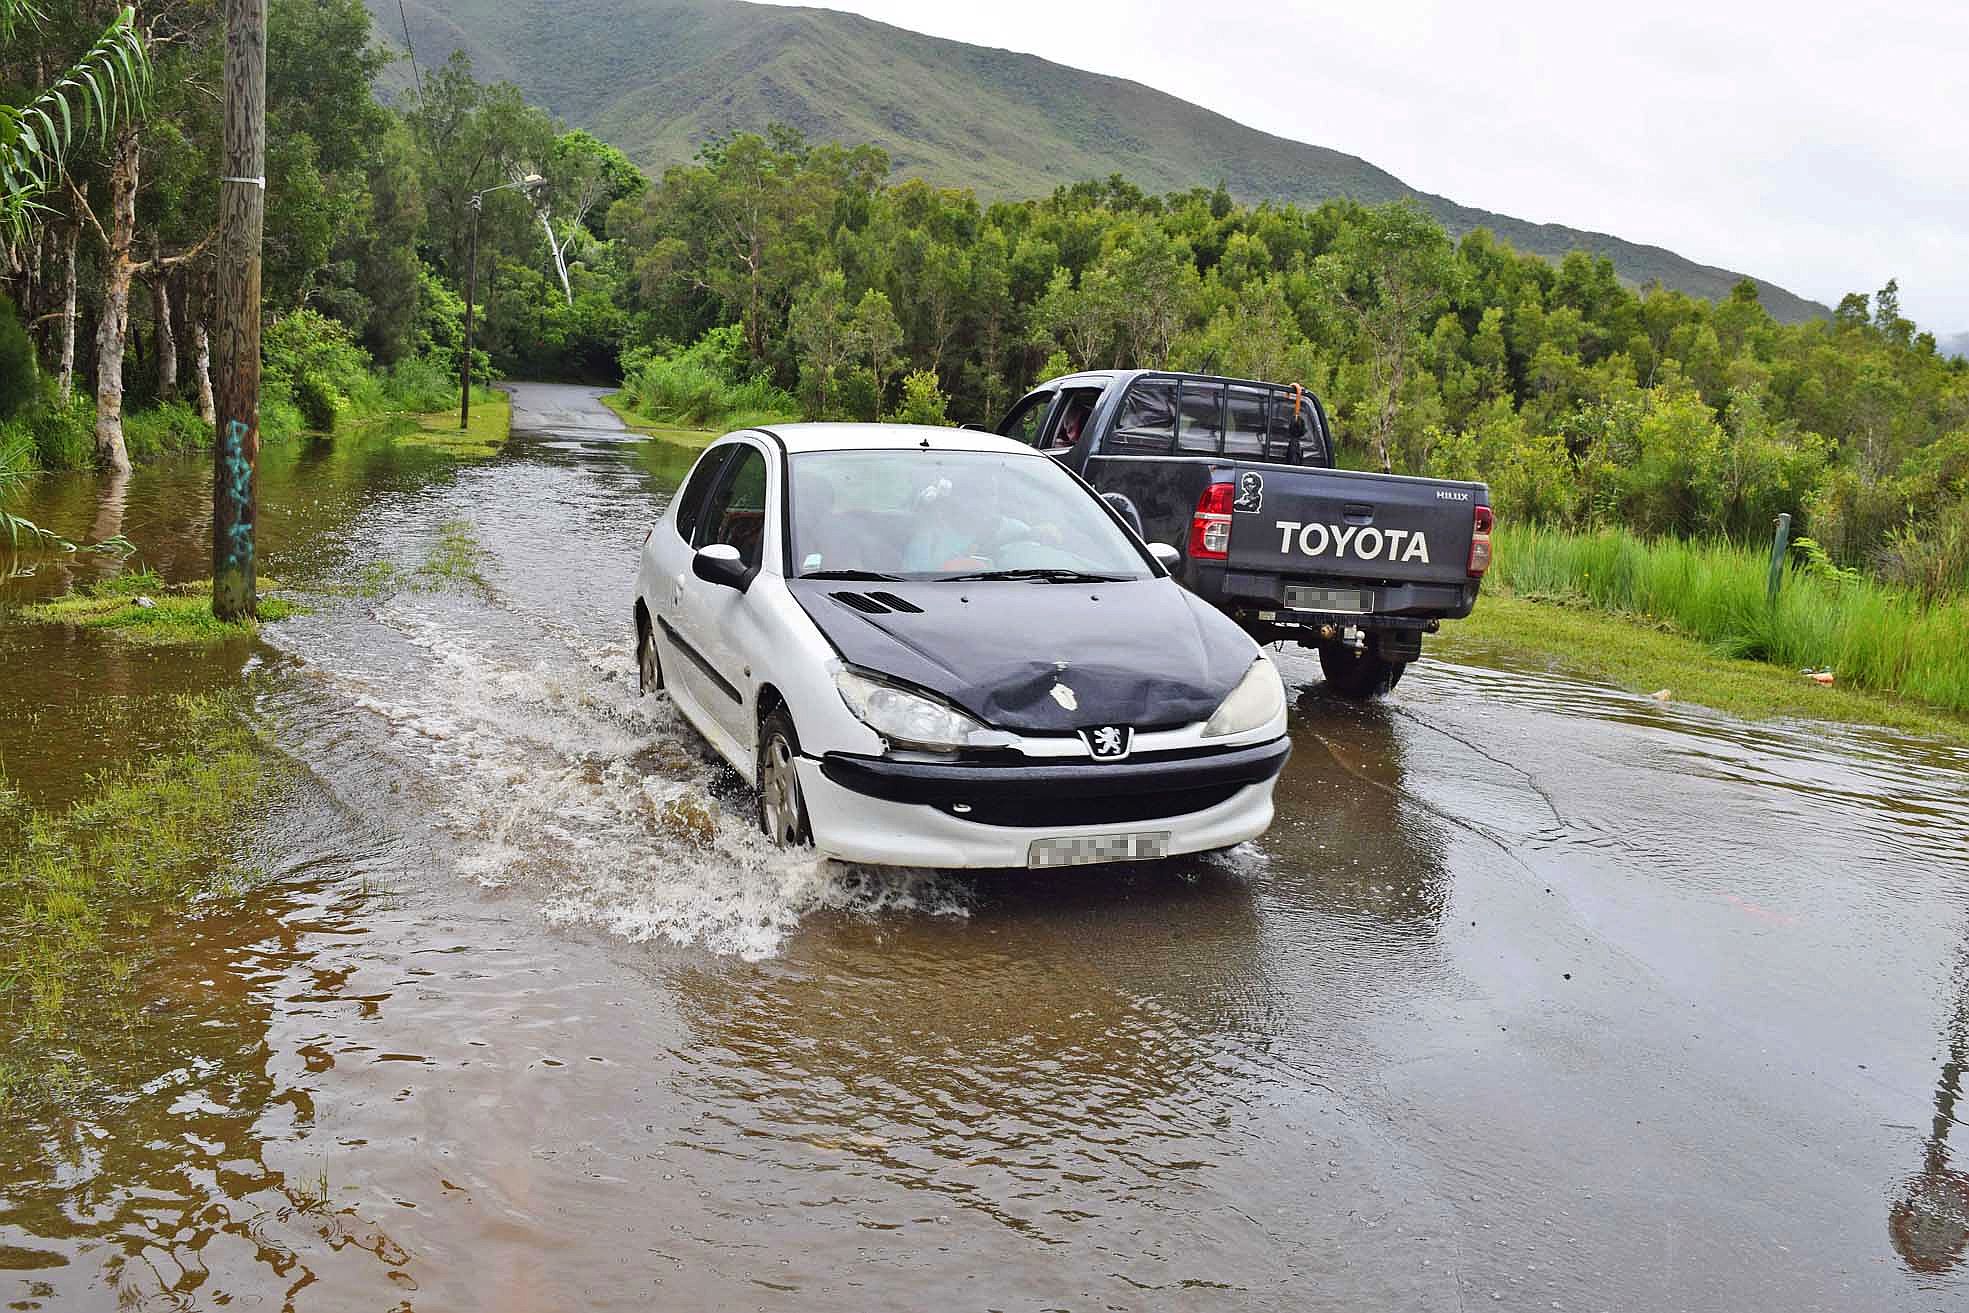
{"x":782,"y":810}
{"x":1356,"y":674}
{"x":649,"y":671}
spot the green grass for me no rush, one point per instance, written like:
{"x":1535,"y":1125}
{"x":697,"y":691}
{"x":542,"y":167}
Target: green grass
{"x":679,"y":435}
{"x":179,"y":615}
{"x":492,"y":424}
{"x":1644,"y":656}
{"x":81,"y":889}
{"x":456,"y":557}
{"x":1870,"y":636}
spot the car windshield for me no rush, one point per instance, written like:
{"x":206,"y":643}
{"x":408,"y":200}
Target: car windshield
{"x":910,"y":513}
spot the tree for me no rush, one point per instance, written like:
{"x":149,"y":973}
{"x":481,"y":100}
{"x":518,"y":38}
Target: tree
{"x":1388,"y":274}
{"x":104,"y":88}
{"x":877,"y":336}
{"x":822,"y":335}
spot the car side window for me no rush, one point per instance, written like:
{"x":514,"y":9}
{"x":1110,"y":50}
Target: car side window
{"x":736,"y":513}
{"x":1027,"y":419}
{"x":690,"y":498}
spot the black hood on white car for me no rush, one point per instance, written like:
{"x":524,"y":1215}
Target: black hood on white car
{"x":1143,"y":653}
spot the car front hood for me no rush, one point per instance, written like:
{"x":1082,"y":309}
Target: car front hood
{"x":1143,"y":653}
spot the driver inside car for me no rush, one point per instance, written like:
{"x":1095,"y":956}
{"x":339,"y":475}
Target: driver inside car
{"x":966,"y":532}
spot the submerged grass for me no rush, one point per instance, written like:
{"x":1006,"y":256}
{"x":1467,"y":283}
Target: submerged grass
{"x":1868,"y":635}
{"x":492,"y":424}
{"x":81,"y":889}
{"x":138,"y":607}
{"x":456,"y":557}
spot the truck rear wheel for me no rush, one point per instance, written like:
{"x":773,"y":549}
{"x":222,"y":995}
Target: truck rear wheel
{"x":1358,"y":673}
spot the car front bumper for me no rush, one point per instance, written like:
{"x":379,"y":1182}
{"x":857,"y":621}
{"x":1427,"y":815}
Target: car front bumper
{"x":897,"y":813}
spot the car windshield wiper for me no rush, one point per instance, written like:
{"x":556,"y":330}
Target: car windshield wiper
{"x":852,"y":574}
{"x":1049,"y":576}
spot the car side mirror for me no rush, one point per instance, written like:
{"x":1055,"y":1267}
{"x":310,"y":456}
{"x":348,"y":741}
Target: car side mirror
{"x":1167,"y":555}
{"x":720,"y":563}
{"x":1125,"y":509}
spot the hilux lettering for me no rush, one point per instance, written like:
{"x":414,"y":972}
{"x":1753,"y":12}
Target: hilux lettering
{"x":1366,"y":544}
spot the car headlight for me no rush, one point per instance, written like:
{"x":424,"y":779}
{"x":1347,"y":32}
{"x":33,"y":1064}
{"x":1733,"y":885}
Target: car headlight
{"x":1258,"y":697}
{"x":911,"y":718}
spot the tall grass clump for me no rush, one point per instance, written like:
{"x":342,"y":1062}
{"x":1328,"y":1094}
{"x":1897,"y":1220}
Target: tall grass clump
{"x":709,"y":384}
{"x":1869,"y":634}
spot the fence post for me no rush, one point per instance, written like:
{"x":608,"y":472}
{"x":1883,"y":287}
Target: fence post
{"x":1778,"y":547}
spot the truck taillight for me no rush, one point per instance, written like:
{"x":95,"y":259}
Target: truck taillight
{"x":1210,"y":527}
{"x":1480,"y":542}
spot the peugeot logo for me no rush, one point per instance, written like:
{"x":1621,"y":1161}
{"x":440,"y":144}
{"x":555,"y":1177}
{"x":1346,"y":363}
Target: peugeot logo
{"x":1109,"y":742}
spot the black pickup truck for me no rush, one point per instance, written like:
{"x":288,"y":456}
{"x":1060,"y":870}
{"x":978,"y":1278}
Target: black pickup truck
{"x":1238,"y":476}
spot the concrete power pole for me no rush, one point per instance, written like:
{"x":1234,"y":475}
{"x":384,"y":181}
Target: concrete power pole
{"x":242,"y":215}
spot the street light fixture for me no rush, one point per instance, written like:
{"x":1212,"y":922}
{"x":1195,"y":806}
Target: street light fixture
{"x":531,"y":184}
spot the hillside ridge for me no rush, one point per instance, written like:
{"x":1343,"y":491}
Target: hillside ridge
{"x":659,"y":77}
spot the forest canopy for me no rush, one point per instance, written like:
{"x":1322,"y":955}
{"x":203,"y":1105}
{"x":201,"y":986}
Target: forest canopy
{"x":773,"y":275}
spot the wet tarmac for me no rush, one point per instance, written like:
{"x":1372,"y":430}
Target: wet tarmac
{"x":1538,"y":995}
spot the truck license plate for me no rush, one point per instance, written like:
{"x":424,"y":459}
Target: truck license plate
{"x":1091,"y":848}
{"x":1344,"y":601}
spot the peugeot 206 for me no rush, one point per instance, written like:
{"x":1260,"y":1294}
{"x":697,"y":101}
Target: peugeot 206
{"x":934,"y":647}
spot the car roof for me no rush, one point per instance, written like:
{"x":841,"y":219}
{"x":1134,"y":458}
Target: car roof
{"x":886,"y":437}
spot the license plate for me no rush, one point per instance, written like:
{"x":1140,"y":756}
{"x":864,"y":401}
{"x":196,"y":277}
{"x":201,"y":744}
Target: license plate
{"x":1091,"y":848}
{"x":1344,"y":601}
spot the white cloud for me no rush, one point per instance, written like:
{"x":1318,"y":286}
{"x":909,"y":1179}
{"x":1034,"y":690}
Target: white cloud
{"x":1815,"y":145}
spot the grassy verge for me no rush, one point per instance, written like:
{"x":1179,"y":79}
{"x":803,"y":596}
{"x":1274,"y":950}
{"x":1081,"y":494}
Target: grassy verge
{"x":81,"y":888}
{"x":1870,"y":636}
{"x":141,"y":608}
{"x":492,"y":424}
{"x":1646,"y":656}
{"x":678,"y":435}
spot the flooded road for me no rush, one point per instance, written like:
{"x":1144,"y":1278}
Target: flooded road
{"x":1537,"y":996}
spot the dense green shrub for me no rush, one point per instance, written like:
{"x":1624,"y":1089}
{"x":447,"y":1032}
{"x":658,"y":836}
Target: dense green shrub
{"x":705,"y":385}
{"x":59,"y":437}
{"x":923,"y":402}
{"x":420,"y":384}
{"x":18,"y":374}
{"x":324,"y":372}
{"x":170,"y":429}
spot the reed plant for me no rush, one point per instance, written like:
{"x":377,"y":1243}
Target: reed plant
{"x":1867,"y":633}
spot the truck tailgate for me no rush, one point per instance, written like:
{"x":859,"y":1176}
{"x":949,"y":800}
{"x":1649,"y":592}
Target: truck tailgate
{"x":1351,"y":524}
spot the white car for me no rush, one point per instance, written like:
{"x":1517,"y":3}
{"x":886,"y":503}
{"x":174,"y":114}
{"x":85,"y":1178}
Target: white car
{"x":933,"y":647}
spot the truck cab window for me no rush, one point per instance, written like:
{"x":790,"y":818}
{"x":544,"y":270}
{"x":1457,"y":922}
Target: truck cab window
{"x":1200,"y":419}
{"x":1075,"y":410}
{"x":1244,"y":422}
{"x":1146,"y":423}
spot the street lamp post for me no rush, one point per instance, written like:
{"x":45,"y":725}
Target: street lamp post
{"x":532,"y":183}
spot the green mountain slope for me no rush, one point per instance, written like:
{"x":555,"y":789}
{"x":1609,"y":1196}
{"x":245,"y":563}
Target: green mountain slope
{"x":656,"y":77}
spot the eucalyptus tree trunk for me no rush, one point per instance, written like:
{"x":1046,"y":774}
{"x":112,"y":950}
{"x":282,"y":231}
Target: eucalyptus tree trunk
{"x":167,"y":339}
{"x":65,"y":332}
{"x":201,"y":368}
{"x":113,"y":328}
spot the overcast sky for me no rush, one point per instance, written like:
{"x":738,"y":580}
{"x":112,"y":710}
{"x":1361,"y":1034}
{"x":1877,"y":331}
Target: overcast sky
{"x":1820,"y":146}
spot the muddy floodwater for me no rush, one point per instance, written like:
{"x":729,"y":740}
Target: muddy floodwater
{"x":1538,"y":995}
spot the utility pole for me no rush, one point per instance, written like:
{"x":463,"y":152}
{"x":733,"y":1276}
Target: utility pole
{"x":471,"y":295}
{"x":242,"y":215}
{"x":531,"y":184}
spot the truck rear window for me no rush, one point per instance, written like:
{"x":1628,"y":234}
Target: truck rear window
{"x":1200,"y":417}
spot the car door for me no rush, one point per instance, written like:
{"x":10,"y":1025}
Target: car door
{"x":715,"y":622}
{"x":1027,"y":420}
{"x":667,"y":561}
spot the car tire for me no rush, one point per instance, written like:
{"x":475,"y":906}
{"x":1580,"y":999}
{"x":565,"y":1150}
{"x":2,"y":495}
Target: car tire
{"x":1357,"y":674}
{"x":782,"y":809}
{"x":649,"y":668}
